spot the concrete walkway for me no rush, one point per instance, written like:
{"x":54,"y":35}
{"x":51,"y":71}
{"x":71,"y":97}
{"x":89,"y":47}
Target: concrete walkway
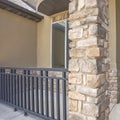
{"x":7,"y":113}
{"x":115,"y":113}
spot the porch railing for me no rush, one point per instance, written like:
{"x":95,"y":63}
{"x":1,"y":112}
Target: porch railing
{"x":40,"y":91}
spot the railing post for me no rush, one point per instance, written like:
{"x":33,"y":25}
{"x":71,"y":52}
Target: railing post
{"x":46,"y":94}
{"x":0,"y":83}
{"x":58,"y":99}
{"x":3,"y":79}
{"x":10,"y":86}
{"x":18,"y":88}
{"x":41,"y":93}
{"x":37,"y":95}
{"x":33,"y":106}
{"x":14,"y":88}
{"x":28,"y":72}
{"x":52,"y":97}
{"x":64,"y":95}
{"x":25,"y":104}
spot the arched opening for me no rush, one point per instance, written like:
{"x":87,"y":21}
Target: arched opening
{"x":50,"y":7}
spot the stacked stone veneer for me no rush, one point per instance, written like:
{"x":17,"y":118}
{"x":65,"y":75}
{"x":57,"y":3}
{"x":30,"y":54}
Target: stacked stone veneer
{"x":88,"y":64}
{"x":114,"y":86}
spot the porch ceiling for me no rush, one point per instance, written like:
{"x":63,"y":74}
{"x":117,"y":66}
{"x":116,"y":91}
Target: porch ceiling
{"x":50,"y":7}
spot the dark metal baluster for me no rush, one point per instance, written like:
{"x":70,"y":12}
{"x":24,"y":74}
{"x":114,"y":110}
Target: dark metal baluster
{"x":0,"y":84}
{"x":5,"y":83}
{"x":15,"y":89}
{"x":33,"y":106}
{"x":12,"y":86}
{"x":46,"y":94}
{"x":57,"y":99}
{"x":37,"y":96}
{"x":29,"y":90}
{"x":3,"y":86}
{"x":15,"y":86}
{"x":52,"y":98}
{"x":25,"y":104}
{"x":18,"y":90}
{"x":41,"y":94}
{"x":6,"y":87}
{"x":64,"y":96}
{"x":21,"y":88}
{"x":9,"y":87}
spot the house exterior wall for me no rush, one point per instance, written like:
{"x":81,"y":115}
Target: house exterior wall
{"x":44,"y":39}
{"x":112,"y":35}
{"x":43,"y":42}
{"x":114,"y":74}
{"x":34,"y":39}
{"x":118,"y":33}
{"x":17,"y":40}
{"x":118,"y":48}
{"x":112,"y":52}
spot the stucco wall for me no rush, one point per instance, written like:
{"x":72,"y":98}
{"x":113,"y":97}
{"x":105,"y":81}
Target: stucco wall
{"x":118,"y":32}
{"x":112,"y":33}
{"x":43,"y":42}
{"x":24,"y":43}
{"x":114,"y":37}
{"x":17,"y":40}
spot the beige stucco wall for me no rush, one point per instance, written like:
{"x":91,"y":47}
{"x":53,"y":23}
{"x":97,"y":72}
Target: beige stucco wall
{"x":24,"y":43}
{"x":112,"y":33}
{"x":118,"y":32}
{"x":17,"y":40}
{"x":44,"y":55}
{"x":43,"y":42}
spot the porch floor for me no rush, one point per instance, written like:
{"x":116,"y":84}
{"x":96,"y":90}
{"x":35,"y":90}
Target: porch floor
{"x":115,"y":112}
{"x":7,"y":113}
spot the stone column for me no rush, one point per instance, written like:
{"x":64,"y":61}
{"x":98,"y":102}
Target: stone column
{"x":88,"y":64}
